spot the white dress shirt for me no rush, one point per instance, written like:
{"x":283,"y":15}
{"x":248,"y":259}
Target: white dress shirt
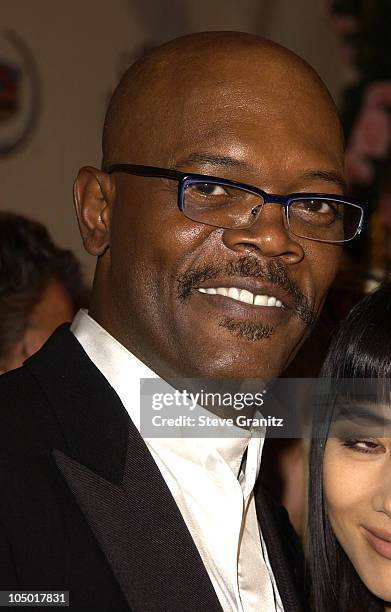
{"x":210,"y":482}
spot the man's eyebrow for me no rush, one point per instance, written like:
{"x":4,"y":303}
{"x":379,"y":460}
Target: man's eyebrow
{"x":226,"y":161}
{"x":219,"y":161}
{"x":325,"y":175}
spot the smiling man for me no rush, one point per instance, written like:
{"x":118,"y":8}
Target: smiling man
{"x":202,"y":271}
{"x":235,"y":107}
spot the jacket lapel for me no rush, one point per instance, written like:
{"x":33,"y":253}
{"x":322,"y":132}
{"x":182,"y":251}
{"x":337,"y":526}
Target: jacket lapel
{"x":118,"y":486}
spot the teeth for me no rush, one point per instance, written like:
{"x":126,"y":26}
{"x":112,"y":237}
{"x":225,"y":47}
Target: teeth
{"x":222,"y":291}
{"x":260,"y":300}
{"x":242,"y":295}
{"x":234,"y":293}
{"x":246,"y":296}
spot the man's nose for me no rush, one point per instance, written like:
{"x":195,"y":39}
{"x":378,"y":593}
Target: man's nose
{"x":269,"y":236}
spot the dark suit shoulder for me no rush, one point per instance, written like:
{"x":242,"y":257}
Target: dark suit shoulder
{"x":60,"y":400}
{"x":21,"y":404}
{"x":29,"y":395}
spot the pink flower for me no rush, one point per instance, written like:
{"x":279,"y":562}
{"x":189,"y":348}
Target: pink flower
{"x":358,"y":169}
{"x":378,"y":94}
{"x":371,"y":134}
{"x":344,"y":24}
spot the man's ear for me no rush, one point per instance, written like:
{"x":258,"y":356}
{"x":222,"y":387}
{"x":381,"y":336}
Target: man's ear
{"x":93,"y":194}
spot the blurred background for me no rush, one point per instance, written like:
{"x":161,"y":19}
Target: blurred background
{"x":59,"y":62}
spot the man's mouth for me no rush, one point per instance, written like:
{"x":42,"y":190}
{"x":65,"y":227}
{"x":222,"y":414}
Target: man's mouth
{"x":251,"y":284}
{"x":243,"y":295}
{"x":247,"y":307}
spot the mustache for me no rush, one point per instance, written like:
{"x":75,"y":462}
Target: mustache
{"x":274,"y":272}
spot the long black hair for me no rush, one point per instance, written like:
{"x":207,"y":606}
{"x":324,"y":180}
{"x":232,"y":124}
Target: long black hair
{"x":360,"y":349}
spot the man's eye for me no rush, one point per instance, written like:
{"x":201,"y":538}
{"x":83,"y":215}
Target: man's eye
{"x":209,"y":189}
{"x":362,"y":445}
{"x":317,"y":206}
{"x":321,"y":206}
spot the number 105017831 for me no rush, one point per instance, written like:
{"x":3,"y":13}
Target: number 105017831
{"x":34,"y":598}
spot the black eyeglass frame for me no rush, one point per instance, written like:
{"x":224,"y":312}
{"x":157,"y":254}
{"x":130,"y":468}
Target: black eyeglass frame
{"x":184,"y":178}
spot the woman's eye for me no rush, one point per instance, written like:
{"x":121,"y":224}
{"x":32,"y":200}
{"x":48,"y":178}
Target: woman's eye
{"x":363,"y":445}
{"x":209,"y":189}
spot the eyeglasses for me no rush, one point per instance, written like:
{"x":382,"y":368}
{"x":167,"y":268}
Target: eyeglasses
{"x":229,"y":204}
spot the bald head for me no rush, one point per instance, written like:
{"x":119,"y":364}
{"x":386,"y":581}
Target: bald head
{"x":154,"y":95}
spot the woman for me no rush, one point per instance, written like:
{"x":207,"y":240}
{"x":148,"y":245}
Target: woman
{"x":350,"y":466}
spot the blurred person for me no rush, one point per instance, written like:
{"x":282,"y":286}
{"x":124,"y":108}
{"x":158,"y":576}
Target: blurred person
{"x":202,"y":272}
{"x":350,"y":466}
{"x":41,"y":286}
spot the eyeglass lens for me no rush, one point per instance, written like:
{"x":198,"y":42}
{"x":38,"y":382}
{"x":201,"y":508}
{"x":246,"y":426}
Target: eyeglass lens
{"x":232,"y":207}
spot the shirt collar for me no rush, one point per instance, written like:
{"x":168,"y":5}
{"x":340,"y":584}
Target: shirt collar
{"x":123,"y":371}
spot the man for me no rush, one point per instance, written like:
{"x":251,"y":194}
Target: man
{"x":41,"y":286}
{"x":196,"y":277}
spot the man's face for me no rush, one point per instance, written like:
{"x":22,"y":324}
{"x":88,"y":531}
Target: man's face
{"x":256,"y":128}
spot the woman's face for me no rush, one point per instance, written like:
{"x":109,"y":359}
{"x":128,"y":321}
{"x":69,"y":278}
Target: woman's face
{"x":357,"y":487}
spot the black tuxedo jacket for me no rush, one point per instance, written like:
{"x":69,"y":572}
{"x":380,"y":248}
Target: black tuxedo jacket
{"x":84,"y":508}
